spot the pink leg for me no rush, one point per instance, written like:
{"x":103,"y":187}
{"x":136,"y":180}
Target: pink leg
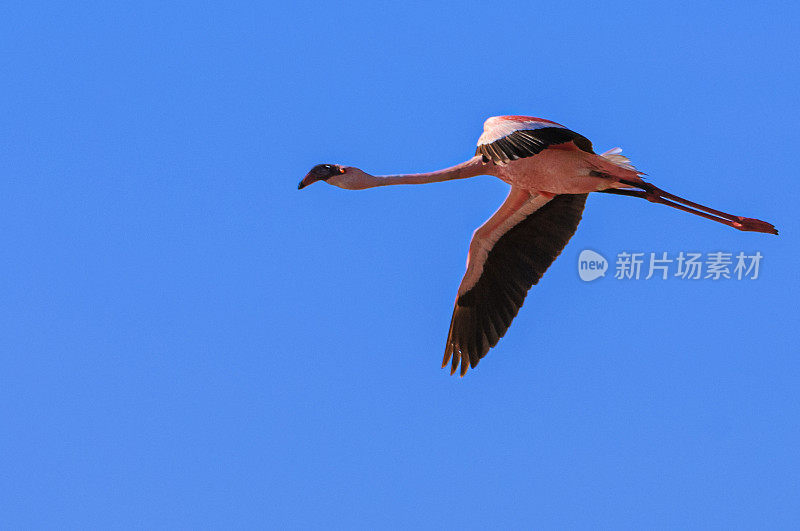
{"x":656,"y":195}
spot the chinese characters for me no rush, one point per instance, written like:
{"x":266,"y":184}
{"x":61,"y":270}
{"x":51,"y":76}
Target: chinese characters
{"x":688,"y":266}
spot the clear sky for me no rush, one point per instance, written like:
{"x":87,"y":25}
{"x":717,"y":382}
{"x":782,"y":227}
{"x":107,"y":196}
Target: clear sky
{"x":188,"y":341}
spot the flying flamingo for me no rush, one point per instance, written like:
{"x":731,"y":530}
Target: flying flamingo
{"x":551,"y":170}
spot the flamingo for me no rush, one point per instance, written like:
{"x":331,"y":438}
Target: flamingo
{"x":551,"y":170}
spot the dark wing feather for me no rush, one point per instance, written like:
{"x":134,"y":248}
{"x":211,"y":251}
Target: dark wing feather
{"x":516,"y":262}
{"x":529,"y":142}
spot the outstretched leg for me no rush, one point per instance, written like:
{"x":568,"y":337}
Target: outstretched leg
{"x":657,"y":195}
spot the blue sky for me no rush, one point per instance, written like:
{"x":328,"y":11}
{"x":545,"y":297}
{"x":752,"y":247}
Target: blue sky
{"x":189,"y":341}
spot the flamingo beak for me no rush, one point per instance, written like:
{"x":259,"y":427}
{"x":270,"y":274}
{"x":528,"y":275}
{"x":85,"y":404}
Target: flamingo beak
{"x":308,"y":179}
{"x":320,"y":172}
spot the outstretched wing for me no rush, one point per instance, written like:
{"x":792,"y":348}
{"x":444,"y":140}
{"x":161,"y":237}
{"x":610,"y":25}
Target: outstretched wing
{"x":508,"y":254}
{"x":507,"y":138}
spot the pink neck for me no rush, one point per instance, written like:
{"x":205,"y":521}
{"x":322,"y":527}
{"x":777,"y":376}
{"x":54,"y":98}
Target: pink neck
{"x":471,"y":168}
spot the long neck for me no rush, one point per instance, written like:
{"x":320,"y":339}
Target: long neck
{"x":470,"y":168}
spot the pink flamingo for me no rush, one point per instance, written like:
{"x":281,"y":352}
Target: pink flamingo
{"x":551,"y":170}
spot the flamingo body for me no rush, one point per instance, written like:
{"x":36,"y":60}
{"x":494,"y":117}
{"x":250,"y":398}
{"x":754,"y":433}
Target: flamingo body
{"x":540,"y":155}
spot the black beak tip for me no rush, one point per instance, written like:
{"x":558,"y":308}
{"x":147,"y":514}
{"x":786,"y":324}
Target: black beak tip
{"x":300,"y":186}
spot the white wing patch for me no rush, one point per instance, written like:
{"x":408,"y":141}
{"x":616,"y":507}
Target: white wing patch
{"x":613,"y":155}
{"x":498,"y":127}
